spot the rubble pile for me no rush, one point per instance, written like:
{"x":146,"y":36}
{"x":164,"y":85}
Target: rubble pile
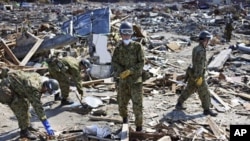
{"x":31,"y":35}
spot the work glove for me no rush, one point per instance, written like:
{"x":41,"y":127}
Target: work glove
{"x":199,"y":81}
{"x":48,"y":128}
{"x":125,"y":74}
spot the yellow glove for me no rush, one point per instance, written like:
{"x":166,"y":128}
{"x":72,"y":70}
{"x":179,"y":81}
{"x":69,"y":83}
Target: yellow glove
{"x":125,"y":74}
{"x":199,"y":81}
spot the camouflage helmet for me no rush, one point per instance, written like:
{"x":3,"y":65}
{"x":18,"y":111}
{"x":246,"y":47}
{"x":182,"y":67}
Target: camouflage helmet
{"x":52,"y":85}
{"x":126,"y":28}
{"x":85,"y":63}
{"x":205,"y":35}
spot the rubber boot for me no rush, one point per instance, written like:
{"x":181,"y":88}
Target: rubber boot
{"x":179,"y":106}
{"x":210,"y":112}
{"x":66,"y":101}
{"x":27,"y":134}
{"x":57,"y":97}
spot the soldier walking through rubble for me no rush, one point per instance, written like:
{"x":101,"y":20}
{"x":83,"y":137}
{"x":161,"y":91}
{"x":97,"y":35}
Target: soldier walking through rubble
{"x":18,"y":90}
{"x":64,"y":70}
{"x":128,"y":62}
{"x":196,"y":76}
{"x":228,"y":28}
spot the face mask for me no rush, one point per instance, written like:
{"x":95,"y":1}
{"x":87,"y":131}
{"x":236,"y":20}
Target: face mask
{"x":126,"y":42}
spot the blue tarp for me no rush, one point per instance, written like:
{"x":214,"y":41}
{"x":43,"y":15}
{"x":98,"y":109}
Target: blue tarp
{"x":95,"y":21}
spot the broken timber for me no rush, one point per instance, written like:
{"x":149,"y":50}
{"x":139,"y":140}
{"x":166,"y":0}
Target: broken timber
{"x":32,"y":50}
{"x":165,"y":138}
{"x":53,"y":43}
{"x":145,"y":136}
{"x":242,"y":95}
{"x":220,"y":100}
{"x":174,"y":85}
{"x":219,"y":60}
{"x":93,"y":118}
{"x":93,"y":82}
{"x":217,"y":106}
{"x":10,"y":53}
{"x":215,"y":128}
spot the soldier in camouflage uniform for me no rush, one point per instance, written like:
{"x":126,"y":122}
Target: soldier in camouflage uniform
{"x":128,"y":62}
{"x":196,"y":76}
{"x":19,"y":89}
{"x":228,"y":28}
{"x":64,"y":70}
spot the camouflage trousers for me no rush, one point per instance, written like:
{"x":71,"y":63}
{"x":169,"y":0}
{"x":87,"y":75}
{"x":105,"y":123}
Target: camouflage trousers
{"x":228,"y":35}
{"x":64,"y":86}
{"x":202,"y":91}
{"x":126,"y":92}
{"x":18,"y":105}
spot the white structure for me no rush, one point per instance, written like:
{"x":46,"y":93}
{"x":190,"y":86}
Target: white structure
{"x":101,"y":41}
{"x":6,"y":7}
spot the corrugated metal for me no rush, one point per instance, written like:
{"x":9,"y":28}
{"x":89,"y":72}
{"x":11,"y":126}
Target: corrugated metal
{"x":95,"y":21}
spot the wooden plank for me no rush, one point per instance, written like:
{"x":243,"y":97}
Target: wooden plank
{"x":31,"y":52}
{"x":145,"y":136}
{"x":242,"y":95}
{"x":165,"y":138}
{"x":219,"y":60}
{"x":172,"y":65}
{"x":215,"y":128}
{"x":119,"y":20}
{"x":10,"y":53}
{"x":92,"y":82}
{"x":173,"y":46}
{"x":174,"y":84}
{"x":125,"y":132}
{"x":217,"y":106}
{"x":220,"y":100}
{"x":11,"y":44}
{"x":150,"y":80}
{"x":52,"y":43}
{"x":93,"y":118}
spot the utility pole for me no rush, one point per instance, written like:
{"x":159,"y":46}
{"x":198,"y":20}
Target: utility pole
{"x":71,"y":21}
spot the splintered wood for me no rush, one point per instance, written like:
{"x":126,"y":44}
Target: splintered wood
{"x":9,"y":52}
{"x":215,"y":128}
{"x":174,"y":84}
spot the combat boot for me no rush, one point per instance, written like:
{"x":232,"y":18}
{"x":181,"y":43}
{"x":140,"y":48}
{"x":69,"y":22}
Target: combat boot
{"x":125,"y":120}
{"x":66,"y":101}
{"x":27,"y":134}
{"x":179,"y":106}
{"x":138,"y":128}
{"x":210,"y":112}
{"x":57,"y":97}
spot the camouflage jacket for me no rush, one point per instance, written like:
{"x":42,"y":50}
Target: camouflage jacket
{"x":66,"y":68}
{"x":199,"y":61}
{"x":129,"y":57}
{"x":229,"y":27}
{"x":28,"y":85}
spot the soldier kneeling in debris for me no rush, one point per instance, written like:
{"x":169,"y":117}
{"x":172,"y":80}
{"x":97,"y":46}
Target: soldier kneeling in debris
{"x":64,"y":70}
{"x":196,"y":76}
{"x":19,"y":89}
